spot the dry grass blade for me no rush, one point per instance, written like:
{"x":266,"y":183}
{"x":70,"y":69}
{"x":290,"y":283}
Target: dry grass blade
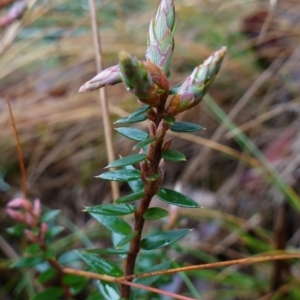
{"x":102,"y":96}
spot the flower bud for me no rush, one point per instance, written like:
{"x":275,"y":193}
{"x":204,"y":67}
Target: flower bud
{"x":197,"y":84}
{"x":144,"y":79}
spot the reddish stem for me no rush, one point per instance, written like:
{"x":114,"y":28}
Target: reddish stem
{"x":151,"y":188}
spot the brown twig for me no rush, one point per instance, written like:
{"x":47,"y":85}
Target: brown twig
{"x":20,"y":154}
{"x":151,"y":188}
{"x":102,"y":96}
{"x":128,"y":283}
{"x":243,"y":261}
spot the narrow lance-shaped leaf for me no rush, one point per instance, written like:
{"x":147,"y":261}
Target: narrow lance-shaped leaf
{"x":101,"y":265}
{"x":161,"y":36}
{"x":126,"y":239}
{"x":133,"y":133}
{"x":131,"y":197}
{"x":173,"y":155}
{"x":176,"y":198}
{"x":136,"y":116}
{"x":111,"y":209}
{"x":135,"y":185}
{"x":144,"y":143}
{"x":121,"y":175}
{"x":107,"y":251}
{"x":154,"y":213}
{"x":185,"y":127}
{"x":135,"y":119}
{"x":163,"y":239}
{"x":196,"y":85}
{"x":113,"y":223}
{"x":128,"y":160}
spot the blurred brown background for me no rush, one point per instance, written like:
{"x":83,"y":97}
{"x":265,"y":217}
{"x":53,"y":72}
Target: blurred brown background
{"x":48,"y":53}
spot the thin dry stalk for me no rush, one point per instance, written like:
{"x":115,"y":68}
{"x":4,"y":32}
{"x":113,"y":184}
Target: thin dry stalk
{"x":102,"y":97}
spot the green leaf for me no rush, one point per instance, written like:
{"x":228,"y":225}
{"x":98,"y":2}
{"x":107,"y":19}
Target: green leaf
{"x":153,"y":177}
{"x":109,"y":290}
{"x":50,"y":215}
{"x":133,"y":133}
{"x":163,"y":239}
{"x":16,"y":230}
{"x":185,"y":127}
{"x":101,"y":265}
{"x":33,"y":249}
{"x":112,"y":209}
{"x":135,"y":185}
{"x":136,"y":116}
{"x":106,"y":251}
{"x":169,"y":120}
{"x":116,"y":238}
{"x":135,"y":119}
{"x":96,"y":296}
{"x":28,"y":261}
{"x":140,"y":110}
{"x":128,"y":160}
{"x":115,"y":224}
{"x":173,"y":155}
{"x":126,"y":239}
{"x":154,"y":213}
{"x":54,"y":231}
{"x":175,"y":198}
{"x":74,"y":280}
{"x":49,"y":294}
{"x":148,"y":281}
{"x":144,"y":143}
{"x":121,"y":175}
{"x":47,"y":275}
{"x":174,"y":90}
{"x":132,"y":197}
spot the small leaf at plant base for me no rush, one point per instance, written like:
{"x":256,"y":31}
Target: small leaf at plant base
{"x":49,"y":294}
{"x":169,"y":120}
{"x":152,"y":177}
{"x":54,"y":231}
{"x":112,"y":209}
{"x":135,"y":119}
{"x":132,"y":197}
{"x":28,"y":261}
{"x":16,"y":230}
{"x":185,"y":127}
{"x":121,"y":175}
{"x":144,"y":143}
{"x":128,"y":160}
{"x":126,"y":239}
{"x":101,"y":265}
{"x":115,"y":224}
{"x":107,"y":251}
{"x":50,"y":215}
{"x":133,"y":133}
{"x":163,"y":239}
{"x":109,"y":290}
{"x":175,"y":198}
{"x":154,"y":213}
{"x":47,"y":275}
{"x":173,"y":155}
{"x":135,"y":185}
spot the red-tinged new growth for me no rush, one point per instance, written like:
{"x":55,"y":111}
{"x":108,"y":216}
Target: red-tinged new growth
{"x":197,"y":84}
{"x":161,"y":36}
{"x":145,"y":80}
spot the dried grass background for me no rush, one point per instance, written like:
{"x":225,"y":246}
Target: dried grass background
{"x":48,"y":54}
